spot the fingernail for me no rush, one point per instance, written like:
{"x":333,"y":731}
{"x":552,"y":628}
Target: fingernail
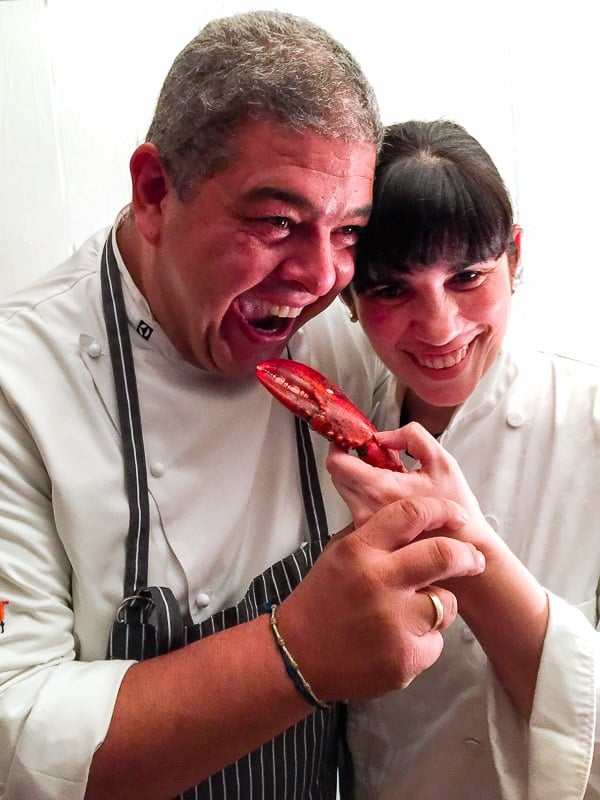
{"x":460,"y":519}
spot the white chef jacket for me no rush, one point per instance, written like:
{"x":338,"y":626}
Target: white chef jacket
{"x":225,"y":501}
{"x":528,"y":441}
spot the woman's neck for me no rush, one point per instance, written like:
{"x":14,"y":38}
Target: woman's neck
{"x":434,"y":419}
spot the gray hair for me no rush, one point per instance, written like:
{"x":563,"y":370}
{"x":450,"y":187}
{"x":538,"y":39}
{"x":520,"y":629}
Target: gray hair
{"x":257,"y":65}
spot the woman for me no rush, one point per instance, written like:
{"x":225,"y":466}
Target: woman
{"x":510,"y":708}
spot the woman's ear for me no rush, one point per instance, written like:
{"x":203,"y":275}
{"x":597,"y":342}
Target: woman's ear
{"x":149,"y":187}
{"x":514,"y":262}
{"x":348,"y":298}
{"x":517,"y":234}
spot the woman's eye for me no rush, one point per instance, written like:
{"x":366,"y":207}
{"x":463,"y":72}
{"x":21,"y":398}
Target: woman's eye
{"x":468,"y":278}
{"x":393,"y":291}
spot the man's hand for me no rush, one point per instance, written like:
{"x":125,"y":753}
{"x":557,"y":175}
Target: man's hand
{"x":506,"y":594}
{"x":360,"y":624}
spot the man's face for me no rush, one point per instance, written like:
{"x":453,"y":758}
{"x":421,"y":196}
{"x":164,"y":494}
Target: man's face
{"x":262,"y":247}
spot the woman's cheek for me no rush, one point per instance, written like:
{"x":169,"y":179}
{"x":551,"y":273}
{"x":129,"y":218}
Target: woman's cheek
{"x":375,"y":314}
{"x":381,"y":323}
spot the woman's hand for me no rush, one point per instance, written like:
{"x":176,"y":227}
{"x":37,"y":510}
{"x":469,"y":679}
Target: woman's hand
{"x":366,"y":489}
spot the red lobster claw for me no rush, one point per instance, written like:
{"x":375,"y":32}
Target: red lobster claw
{"x":328,"y":411}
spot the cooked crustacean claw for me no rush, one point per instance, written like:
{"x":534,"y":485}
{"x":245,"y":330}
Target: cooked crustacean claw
{"x":327,"y":409}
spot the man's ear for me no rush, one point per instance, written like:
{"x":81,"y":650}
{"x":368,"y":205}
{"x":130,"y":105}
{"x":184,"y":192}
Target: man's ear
{"x":149,"y":187}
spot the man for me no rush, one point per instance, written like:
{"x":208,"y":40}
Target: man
{"x":136,"y":359}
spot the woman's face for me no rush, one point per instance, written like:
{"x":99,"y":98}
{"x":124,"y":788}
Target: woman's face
{"x":439,"y":328}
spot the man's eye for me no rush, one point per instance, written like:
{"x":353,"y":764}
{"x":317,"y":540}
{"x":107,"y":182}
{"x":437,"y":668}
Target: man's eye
{"x":346,"y":236}
{"x":281,"y":223}
{"x":271,"y":228}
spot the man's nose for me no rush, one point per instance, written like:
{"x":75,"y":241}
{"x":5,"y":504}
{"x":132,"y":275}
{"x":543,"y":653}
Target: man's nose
{"x":314,"y":264}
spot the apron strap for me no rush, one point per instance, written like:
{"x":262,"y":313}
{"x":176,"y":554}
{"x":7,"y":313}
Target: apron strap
{"x":314,"y":507}
{"x":148,"y":624}
{"x":148,"y":620}
{"x":136,"y":561}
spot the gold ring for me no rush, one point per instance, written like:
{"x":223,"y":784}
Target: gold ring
{"x":438,"y":608}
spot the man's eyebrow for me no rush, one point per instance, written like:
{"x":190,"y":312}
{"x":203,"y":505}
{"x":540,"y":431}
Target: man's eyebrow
{"x":298,"y":200}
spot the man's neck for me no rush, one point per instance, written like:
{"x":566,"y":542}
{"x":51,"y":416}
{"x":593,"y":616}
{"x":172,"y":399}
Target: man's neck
{"x":128,"y":241}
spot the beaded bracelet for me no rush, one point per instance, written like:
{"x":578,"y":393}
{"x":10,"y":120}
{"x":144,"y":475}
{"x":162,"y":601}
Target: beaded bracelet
{"x":291,"y":665}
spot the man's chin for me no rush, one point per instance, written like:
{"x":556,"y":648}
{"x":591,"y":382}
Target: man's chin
{"x":241,"y":362}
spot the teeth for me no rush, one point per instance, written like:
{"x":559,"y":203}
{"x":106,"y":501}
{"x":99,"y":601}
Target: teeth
{"x":443,"y":362}
{"x":261,"y":313}
{"x":283,"y":311}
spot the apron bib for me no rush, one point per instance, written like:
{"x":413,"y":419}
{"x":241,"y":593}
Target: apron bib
{"x":302,"y":761}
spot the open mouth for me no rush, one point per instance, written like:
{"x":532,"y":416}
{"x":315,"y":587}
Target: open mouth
{"x":268,"y":317}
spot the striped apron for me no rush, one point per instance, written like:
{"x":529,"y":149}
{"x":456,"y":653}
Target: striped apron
{"x":302,"y":761}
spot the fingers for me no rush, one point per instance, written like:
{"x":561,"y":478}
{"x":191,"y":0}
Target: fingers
{"x":434,"y":559}
{"x":365,"y":489}
{"x":403,"y":520}
{"x":416,"y":440}
{"x":439,"y":472}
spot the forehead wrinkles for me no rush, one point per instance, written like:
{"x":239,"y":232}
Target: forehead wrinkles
{"x":300,"y":201}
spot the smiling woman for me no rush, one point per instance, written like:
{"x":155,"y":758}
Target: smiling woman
{"x":436,"y":271}
{"x":437,"y":267}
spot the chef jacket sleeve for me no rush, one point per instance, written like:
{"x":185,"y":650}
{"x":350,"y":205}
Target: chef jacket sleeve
{"x":556,"y":756}
{"x":54,"y":710}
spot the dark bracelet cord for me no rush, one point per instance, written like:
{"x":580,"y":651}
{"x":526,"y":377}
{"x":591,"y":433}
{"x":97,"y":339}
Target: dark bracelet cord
{"x":291,"y":665}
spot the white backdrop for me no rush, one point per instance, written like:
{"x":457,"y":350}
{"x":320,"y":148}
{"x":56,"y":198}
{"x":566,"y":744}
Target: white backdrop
{"x":78,"y":80}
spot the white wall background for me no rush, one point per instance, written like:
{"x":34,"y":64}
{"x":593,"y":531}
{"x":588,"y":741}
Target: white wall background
{"x":78,"y":80}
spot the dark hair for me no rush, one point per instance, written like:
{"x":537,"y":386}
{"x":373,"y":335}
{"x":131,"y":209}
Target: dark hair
{"x":258,"y":65}
{"x":437,"y":196}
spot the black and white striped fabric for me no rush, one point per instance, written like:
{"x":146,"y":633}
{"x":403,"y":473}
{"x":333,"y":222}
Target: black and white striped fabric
{"x":302,"y":761}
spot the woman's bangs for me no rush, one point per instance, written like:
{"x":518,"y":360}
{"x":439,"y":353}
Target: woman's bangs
{"x":426,"y":213}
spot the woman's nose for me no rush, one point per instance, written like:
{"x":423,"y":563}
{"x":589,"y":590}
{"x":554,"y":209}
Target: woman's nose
{"x":435,"y":318}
